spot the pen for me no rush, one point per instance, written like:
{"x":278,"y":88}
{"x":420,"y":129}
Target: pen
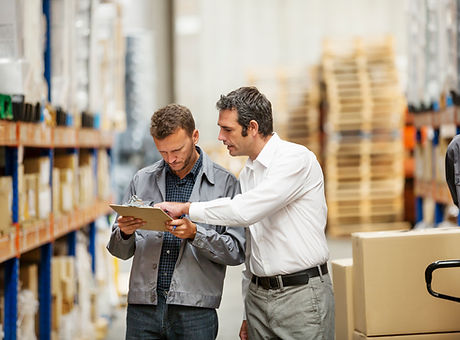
{"x":182,"y":216}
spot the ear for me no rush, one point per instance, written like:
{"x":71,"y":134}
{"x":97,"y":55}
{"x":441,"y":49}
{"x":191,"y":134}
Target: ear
{"x":195,"y":136}
{"x":253,"y":128}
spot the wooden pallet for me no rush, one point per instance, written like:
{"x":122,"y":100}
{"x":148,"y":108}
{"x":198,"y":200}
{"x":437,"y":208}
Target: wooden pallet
{"x":362,"y":86}
{"x":362,"y":146}
{"x":335,"y":230}
{"x":352,"y":190}
{"x":387,"y":210}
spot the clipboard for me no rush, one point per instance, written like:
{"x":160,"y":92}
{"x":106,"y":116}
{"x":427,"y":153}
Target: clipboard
{"x":155,"y":217}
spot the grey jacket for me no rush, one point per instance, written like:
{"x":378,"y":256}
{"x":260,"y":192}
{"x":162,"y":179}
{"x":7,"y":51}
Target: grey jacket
{"x":453,"y":168}
{"x":200,"y":268}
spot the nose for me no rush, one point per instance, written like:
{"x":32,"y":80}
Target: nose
{"x":220,"y":136}
{"x":169,"y":158}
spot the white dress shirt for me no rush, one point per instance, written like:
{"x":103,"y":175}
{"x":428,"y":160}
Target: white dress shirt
{"x":282,"y":203}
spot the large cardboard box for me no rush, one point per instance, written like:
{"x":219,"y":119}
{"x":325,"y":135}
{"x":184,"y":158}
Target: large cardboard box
{"x":342,"y":274}
{"x":431,"y":336}
{"x":389,"y":289}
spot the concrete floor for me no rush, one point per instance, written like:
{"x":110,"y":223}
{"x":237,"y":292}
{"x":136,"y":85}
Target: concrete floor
{"x":231,"y":309}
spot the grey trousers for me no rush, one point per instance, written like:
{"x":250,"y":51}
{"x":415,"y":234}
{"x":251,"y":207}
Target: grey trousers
{"x":296,"y":312}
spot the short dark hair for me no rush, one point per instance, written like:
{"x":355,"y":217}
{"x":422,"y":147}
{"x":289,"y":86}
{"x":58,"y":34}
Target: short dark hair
{"x":168,"y":119}
{"x":250,"y":104}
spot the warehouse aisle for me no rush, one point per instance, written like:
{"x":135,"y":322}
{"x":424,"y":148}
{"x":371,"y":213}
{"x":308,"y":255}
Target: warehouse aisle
{"x":231,"y":309}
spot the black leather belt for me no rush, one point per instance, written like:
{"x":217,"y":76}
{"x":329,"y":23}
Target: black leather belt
{"x":294,"y":279}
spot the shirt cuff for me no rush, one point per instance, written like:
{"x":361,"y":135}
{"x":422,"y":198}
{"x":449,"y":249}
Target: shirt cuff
{"x":196,"y":211}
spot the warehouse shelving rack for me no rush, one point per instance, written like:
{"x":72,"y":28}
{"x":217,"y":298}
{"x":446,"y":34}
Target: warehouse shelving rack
{"x":434,"y":189}
{"x":14,"y":135}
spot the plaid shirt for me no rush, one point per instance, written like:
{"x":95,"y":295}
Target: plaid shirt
{"x":177,"y":190}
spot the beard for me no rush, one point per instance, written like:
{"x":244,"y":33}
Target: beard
{"x":189,"y":160}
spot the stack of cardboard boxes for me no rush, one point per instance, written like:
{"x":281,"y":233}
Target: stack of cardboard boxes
{"x":384,"y":286}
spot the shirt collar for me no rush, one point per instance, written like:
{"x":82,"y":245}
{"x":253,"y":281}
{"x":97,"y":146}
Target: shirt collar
{"x":267,"y":153}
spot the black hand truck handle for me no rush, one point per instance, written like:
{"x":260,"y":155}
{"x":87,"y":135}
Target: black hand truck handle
{"x":429,"y":276}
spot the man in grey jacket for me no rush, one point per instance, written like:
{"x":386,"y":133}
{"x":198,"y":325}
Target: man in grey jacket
{"x":177,"y":277}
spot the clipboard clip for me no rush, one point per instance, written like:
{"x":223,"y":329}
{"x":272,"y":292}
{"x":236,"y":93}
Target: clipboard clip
{"x":135,"y":201}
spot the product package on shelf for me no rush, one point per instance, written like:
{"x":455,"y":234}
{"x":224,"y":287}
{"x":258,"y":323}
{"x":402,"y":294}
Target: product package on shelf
{"x":6,"y":196}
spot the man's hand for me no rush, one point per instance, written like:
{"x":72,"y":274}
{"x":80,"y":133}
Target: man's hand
{"x":244,"y":330}
{"x":182,"y":228}
{"x":174,"y":209}
{"x":128,"y":224}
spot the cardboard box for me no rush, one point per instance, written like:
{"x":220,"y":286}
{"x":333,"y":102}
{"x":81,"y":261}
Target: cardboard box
{"x":431,"y":336}
{"x":40,"y":166}
{"x":31,"y":204}
{"x":56,"y":191}
{"x":68,"y":161}
{"x":67,"y":186}
{"x":63,"y":277}
{"x":389,"y":289}
{"x":6,"y":196}
{"x":28,"y":275}
{"x":86,"y":186}
{"x":56,"y":311}
{"x":65,"y":197}
{"x":103,"y":175}
{"x":342,"y":274}
{"x":44,"y":202}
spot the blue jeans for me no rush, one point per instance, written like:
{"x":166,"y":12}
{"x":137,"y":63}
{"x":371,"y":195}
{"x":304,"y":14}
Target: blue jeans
{"x":165,"y":321}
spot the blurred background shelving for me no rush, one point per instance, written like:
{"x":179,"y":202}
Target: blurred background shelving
{"x":371,"y":87}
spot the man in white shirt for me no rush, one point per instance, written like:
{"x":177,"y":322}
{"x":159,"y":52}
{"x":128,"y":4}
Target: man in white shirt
{"x":286,"y":286}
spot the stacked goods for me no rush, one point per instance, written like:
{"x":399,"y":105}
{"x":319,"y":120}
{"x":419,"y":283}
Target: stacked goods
{"x":63,"y":287}
{"x":86,"y":178}
{"x":364,"y":152}
{"x":103,"y":175}
{"x":27,"y":300}
{"x":294,"y":94}
{"x":68,"y":188}
{"x":37,"y":189}
{"x":433,"y":54}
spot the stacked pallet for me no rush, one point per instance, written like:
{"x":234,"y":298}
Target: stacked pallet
{"x":294,"y":94}
{"x":362,"y":89}
{"x":364,"y":147}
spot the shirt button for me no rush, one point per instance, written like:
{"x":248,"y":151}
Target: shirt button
{"x":167,"y":252}
{"x":154,"y":266}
